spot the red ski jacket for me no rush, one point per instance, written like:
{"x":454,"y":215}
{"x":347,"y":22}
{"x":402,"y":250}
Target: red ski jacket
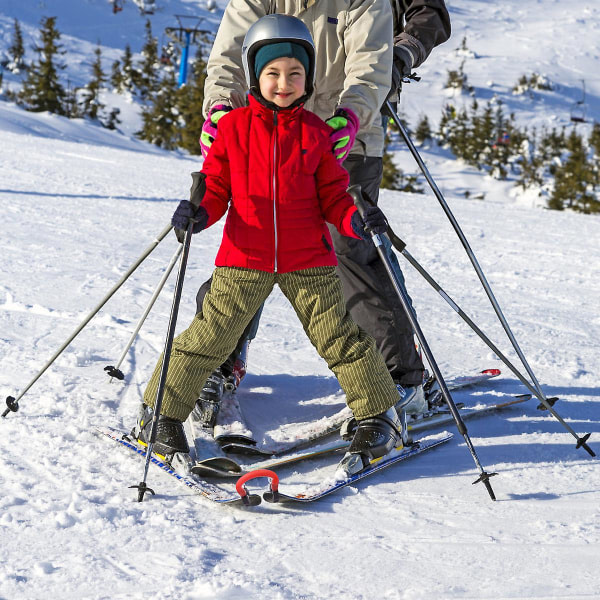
{"x":276,"y":173}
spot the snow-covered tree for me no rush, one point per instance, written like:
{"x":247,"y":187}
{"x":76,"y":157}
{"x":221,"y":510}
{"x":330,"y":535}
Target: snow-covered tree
{"x":42,"y":89}
{"x":575,"y":180}
{"x":16,"y":50}
{"x":148,"y":80}
{"x":124,"y":76}
{"x":160,"y":116}
{"x":91,"y":106}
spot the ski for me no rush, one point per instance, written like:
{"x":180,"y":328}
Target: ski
{"x":324,"y":488}
{"x":429,"y":422}
{"x":198,"y":486}
{"x":206,"y":455}
{"x":316,"y":430}
{"x":231,"y":425}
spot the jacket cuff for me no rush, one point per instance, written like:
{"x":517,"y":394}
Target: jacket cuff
{"x":347,"y":225}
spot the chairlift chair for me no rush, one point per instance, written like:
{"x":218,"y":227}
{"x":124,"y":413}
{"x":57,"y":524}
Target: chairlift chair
{"x":579,"y":109}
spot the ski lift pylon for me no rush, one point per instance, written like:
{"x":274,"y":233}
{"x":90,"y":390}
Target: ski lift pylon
{"x":185,"y":36}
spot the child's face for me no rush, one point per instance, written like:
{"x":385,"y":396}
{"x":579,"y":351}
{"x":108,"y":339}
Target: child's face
{"x":282,"y":81}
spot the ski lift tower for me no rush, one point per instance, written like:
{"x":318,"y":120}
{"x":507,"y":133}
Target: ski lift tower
{"x":185,"y":36}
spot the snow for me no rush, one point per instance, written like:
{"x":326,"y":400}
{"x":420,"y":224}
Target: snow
{"x":80,"y":204}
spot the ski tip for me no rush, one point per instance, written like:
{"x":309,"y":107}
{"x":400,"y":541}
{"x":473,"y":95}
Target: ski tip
{"x":491,"y":372}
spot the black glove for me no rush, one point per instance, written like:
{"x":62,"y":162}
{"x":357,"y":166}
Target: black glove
{"x":373,"y":220}
{"x":400,"y":69}
{"x":182,"y":215}
{"x":187,"y":209}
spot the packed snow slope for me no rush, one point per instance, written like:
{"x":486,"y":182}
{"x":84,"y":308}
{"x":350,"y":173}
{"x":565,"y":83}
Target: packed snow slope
{"x":80,"y":204}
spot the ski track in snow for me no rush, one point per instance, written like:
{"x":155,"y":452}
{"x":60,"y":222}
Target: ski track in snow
{"x":80,"y":204}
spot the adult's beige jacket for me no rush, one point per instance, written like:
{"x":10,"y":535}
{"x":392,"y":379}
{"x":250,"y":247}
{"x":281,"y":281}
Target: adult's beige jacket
{"x":353,"y":41}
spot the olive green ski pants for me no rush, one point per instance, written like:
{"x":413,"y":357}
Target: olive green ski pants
{"x":233,"y":299}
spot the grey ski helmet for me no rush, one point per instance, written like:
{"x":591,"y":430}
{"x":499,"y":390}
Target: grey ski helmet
{"x":277,"y":28}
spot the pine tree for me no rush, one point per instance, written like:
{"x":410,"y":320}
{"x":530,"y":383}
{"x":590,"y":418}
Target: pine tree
{"x":148,"y":80}
{"x":42,"y":89}
{"x":594,"y":143}
{"x":574,"y":180}
{"x":116,"y":76}
{"x":124,"y":76}
{"x":112,"y":120}
{"x":423,"y":132}
{"x":71,"y":103}
{"x":160,"y":117}
{"x":16,"y":50}
{"x":392,"y":175}
{"x":91,"y":104}
{"x":190,"y":101}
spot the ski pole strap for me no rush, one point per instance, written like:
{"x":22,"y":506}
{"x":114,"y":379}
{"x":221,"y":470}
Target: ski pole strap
{"x":273,"y":483}
{"x":399,"y":244}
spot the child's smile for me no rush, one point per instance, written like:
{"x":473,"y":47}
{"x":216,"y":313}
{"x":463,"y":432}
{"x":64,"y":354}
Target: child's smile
{"x":282,"y":81}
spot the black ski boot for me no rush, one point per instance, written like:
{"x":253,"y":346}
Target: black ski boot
{"x":170,"y":436}
{"x":373,"y":438}
{"x":208,"y":404}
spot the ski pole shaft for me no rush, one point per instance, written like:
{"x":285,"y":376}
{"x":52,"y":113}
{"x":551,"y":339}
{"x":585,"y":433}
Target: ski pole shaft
{"x":11,"y":402}
{"x":114,"y":371}
{"x":142,"y":487}
{"x":401,"y":247}
{"x":484,"y":477}
{"x":581,"y":441}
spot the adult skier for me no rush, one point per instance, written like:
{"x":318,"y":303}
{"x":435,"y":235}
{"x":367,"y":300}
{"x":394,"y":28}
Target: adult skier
{"x":364,"y":48}
{"x":272,"y":171}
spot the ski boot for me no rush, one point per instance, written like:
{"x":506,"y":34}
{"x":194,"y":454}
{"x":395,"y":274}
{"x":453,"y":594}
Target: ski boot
{"x":412,"y":400}
{"x":208,"y":404}
{"x":170,"y":436}
{"x":373,"y":438}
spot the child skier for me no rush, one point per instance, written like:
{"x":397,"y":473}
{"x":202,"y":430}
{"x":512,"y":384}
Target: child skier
{"x":272,"y":166}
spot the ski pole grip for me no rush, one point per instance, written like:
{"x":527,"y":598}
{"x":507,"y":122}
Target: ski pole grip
{"x":198,"y":188}
{"x":355,"y":192}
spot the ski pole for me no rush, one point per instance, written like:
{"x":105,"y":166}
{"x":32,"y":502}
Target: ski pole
{"x":401,"y":247}
{"x":12,"y":403}
{"x":115,"y":371}
{"x":484,"y":477}
{"x":142,"y":487}
{"x":581,"y":441}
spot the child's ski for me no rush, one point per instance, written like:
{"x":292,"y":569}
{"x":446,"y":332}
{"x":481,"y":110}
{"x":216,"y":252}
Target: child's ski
{"x":202,"y":488}
{"x":310,"y":494}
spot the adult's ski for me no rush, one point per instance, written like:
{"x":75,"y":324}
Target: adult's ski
{"x":198,"y":486}
{"x":429,"y":422}
{"x":332,"y":484}
{"x":315,"y":430}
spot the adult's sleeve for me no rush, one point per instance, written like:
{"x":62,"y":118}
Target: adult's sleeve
{"x":420,"y":26}
{"x":225,"y":80}
{"x":368,"y":42}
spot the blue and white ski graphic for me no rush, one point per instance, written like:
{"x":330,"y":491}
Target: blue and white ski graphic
{"x":322,"y":489}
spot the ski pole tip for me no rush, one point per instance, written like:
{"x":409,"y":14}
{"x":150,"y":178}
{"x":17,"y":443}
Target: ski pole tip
{"x":485,"y":479}
{"x":142,"y":488}
{"x":11,"y":405}
{"x":582,"y":443}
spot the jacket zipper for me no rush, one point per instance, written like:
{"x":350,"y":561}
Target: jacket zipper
{"x":274,"y":183}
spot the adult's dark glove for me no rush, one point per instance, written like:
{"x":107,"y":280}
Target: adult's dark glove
{"x":373,"y":220}
{"x":400,"y":68}
{"x":182,"y":215}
